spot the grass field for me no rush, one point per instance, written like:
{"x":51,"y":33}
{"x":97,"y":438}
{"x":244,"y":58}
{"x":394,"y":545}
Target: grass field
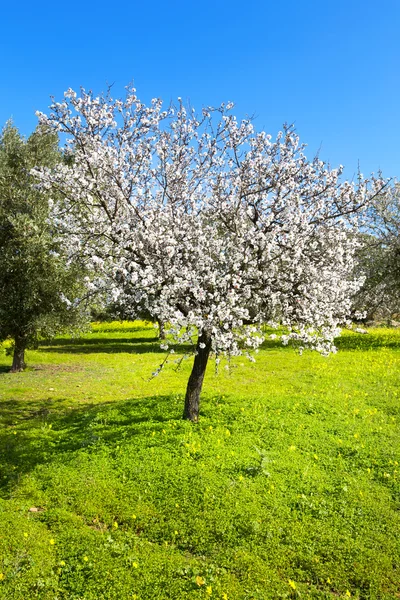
{"x":288,"y":487}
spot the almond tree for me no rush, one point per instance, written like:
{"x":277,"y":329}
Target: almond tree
{"x":210,"y":226}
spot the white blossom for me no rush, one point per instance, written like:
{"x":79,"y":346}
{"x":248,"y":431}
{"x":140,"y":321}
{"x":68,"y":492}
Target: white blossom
{"x":205,"y":223}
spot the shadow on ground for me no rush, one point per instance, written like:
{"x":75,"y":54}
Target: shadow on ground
{"x":132,"y":327}
{"x":351,"y":341}
{"x":94,"y":345}
{"x":39,"y":432}
{"x":143,"y":345}
{"x":368,"y":341}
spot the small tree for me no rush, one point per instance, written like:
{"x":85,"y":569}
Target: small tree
{"x":378,"y":258}
{"x":208,"y":225}
{"x":35,"y":281}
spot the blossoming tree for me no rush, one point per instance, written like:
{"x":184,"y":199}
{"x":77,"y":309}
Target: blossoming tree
{"x":208,"y":225}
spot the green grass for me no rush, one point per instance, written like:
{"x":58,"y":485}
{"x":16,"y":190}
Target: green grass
{"x":287,"y":488}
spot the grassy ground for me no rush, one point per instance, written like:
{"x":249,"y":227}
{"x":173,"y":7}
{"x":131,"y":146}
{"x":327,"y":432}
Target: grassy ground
{"x":287,"y":488}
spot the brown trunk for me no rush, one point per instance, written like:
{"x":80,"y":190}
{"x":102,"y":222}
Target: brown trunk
{"x":19,"y":355}
{"x":195,"y":383}
{"x":161,"y":329}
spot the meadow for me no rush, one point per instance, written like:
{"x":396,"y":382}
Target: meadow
{"x":288,"y":487}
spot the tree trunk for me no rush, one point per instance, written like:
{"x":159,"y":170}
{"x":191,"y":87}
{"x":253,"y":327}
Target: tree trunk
{"x":195,"y":383}
{"x":161,"y":329}
{"x":19,"y":355}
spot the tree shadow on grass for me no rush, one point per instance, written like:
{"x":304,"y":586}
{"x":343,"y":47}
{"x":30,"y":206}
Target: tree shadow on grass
{"x":275,"y":345}
{"x":122,"y":328}
{"x":349,"y":341}
{"x":368,"y":341}
{"x":40,"y":432}
{"x":141,"y":345}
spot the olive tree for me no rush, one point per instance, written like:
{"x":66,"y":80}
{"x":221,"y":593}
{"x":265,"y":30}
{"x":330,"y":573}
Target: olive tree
{"x":38,"y":285}
{"x":378,"y":258}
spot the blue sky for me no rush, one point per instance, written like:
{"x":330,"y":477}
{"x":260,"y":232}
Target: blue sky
{"x":331,"y":68}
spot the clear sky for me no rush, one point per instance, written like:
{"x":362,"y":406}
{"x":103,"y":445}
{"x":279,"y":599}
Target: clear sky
{"x":331,"y":68}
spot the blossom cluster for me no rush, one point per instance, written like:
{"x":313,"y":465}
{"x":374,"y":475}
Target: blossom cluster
{"x":205,"y":223}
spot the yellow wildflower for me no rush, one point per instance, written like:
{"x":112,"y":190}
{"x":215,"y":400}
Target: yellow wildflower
{"x":209,"y":590}
{"x":199,"y":580}
{"x":52,"y":542}
{"x":292,"y":584}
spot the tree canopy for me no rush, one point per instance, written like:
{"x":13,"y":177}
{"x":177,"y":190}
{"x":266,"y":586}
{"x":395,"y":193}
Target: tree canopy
{"x":378,"y":259}
{"x":38,"y":284}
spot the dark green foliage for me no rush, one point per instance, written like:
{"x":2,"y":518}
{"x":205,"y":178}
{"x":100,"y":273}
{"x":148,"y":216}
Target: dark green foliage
{"x":379,"y":259}
{"x":33,"y":271}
